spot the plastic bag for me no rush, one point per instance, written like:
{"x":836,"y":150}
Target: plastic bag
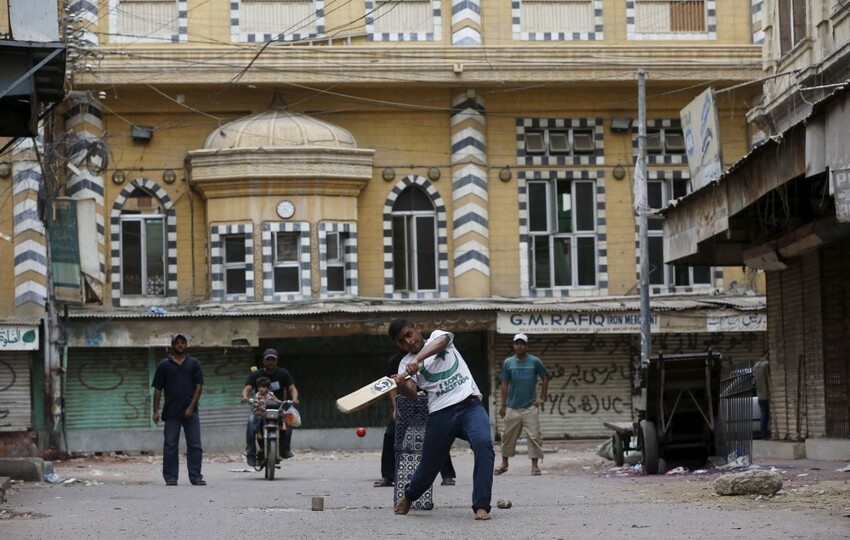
{"x":292,"y":417}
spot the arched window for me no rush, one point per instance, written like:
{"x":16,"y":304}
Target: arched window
{"x":143,"y":245}
{"x":414,"y":230}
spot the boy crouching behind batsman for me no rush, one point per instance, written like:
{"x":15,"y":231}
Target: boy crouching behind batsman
{"x":454,"y":410}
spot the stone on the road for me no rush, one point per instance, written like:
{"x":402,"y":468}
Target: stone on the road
{"x":749,"y":483}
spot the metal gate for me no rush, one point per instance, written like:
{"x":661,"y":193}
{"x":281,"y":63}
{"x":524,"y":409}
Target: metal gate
{"x":735,"y":415}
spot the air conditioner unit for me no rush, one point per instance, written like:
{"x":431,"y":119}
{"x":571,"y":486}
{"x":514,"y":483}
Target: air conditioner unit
{"x":141,"y":133}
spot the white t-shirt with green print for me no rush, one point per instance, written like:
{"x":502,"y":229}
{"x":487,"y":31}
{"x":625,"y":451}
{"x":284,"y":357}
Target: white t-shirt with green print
{"x":445,"y":376}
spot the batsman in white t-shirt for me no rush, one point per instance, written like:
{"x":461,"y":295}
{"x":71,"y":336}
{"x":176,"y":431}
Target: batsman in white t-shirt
{"x":455,"y":411}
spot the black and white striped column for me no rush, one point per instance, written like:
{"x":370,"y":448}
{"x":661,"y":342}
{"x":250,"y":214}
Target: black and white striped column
{"x":470,"y":220}
{"x":29,"y":232}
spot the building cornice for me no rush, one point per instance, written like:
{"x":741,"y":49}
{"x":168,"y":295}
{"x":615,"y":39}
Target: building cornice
{"x":270,"y":171}
{"x":370,"y":66}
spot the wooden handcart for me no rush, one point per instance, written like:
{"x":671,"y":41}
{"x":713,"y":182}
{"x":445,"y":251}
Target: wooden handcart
{"x":676,"y":419}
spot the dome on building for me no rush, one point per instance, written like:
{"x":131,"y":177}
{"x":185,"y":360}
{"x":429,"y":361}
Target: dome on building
{"x":279,"y":128}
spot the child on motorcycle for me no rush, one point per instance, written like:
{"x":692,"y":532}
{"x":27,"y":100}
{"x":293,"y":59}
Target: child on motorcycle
{"x":261,"y":397}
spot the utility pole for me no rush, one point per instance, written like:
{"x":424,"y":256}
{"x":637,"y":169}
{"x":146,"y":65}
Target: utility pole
{"x":642,"y":210}
{"x":54,"y":338}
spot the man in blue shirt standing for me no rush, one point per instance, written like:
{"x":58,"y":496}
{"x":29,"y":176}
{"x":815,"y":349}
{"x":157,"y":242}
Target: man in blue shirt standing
{"x":181,"y":378}
{"x":520,"y":406}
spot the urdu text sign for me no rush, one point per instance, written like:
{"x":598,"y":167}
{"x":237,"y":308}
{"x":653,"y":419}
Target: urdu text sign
{"x":18,"y":338}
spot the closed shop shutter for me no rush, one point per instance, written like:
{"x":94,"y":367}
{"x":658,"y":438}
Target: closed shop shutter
{"x":776,"y":349}
{"x":15,"y":392}
{"x":329,"y":368}
{"x":813,"y":321}
{"x":590,"y":383}
{"x":225,"y":371}
{"x":836,"y":339}
{"x":592,"y":377}
{"x":791,"y":362}
{"x":108,"y":389}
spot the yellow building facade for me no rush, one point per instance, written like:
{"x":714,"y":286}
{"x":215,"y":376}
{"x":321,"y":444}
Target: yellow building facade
{"x":304,"y":168}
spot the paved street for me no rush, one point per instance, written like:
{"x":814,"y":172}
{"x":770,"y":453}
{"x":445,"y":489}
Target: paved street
{"x":578,"y":496}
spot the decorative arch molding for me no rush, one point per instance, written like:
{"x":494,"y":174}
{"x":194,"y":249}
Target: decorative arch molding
{"x":171,"y":244}
{"x":442,"y":237}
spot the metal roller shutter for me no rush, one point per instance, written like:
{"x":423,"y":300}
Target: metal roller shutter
{"x":787,"y":348}
{"x":813,"y":381}
{"x":225,"y":371}
{"x":836,"y":340}
{"x":15,"y":392}
{"x":108,"y":389}
{"x":589,"y":383}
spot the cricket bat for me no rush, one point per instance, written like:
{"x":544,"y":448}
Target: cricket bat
{"x":366,"y":395}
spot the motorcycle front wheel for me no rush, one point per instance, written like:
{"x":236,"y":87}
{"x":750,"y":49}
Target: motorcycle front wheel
{"x":271,"y":458}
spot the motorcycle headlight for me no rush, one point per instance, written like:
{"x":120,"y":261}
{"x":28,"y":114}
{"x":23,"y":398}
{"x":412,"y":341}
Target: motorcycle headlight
{"x":272,"y":414}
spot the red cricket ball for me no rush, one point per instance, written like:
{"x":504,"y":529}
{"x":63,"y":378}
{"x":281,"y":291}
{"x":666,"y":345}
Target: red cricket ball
{"x":361,"y":432}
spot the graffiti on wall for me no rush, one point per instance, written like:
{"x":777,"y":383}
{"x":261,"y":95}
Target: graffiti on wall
{"x":8,"y":376}
{"x":121,"y":388}
{"x":586,"y":388}
{"x":563,"y":404}
{"x":626,"y":345}
{"x":114,"y":388}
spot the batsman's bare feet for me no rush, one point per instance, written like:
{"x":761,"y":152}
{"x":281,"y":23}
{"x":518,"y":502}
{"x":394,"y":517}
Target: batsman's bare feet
{"x":482,"y":515}
{"x":402,"y":506}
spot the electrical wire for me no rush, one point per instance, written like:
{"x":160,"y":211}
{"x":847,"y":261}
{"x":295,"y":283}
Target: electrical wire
{"x":346,"y":96}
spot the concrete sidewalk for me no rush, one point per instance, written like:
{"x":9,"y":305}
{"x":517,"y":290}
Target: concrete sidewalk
{"x":27,"y":469}
{"x":813,"y":449}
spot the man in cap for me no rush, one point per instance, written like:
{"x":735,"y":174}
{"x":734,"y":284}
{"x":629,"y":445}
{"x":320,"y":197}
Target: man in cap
{"x":520,"y":404}
{"x":283,"y":387}
{"x":181,"y":378}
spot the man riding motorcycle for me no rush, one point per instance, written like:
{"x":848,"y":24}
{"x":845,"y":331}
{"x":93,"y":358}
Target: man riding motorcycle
{"x":283,"y":387}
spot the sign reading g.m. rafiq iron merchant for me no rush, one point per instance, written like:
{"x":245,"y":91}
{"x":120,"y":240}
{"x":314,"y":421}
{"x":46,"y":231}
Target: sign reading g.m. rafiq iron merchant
{"x":607,"y":322}
{"x":572,"y":323}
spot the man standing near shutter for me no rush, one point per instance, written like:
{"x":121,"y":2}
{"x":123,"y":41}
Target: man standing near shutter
{"x":520,"y":406}
{"x":181,"y":378}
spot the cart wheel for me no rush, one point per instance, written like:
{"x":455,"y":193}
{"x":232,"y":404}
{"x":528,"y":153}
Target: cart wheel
{"x":619,"y":451}
{"x":650,"y":447}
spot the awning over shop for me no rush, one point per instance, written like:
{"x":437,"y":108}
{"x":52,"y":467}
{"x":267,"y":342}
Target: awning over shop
{"x":777,"y":202}
{"x":235,"y":325}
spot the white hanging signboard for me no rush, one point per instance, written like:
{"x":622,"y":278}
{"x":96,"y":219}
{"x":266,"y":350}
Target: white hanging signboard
{"x":841,"y":191}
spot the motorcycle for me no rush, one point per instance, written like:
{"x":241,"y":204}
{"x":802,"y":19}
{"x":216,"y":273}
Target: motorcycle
{"x":276,"y":415}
